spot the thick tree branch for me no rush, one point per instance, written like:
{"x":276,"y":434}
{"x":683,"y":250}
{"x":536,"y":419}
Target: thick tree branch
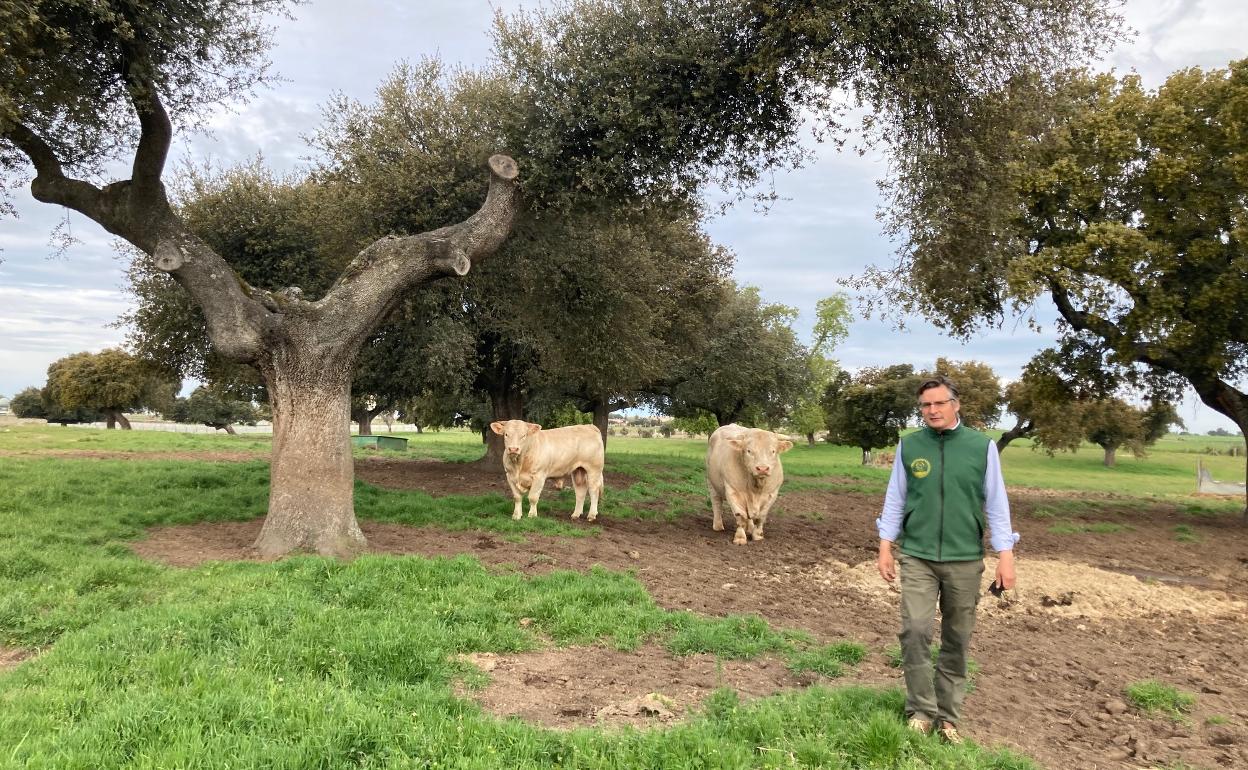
{"x":156,"y":134}
{"x":1213,"y":391}
{"x":377,"y":278}
{"x":50,"y":184}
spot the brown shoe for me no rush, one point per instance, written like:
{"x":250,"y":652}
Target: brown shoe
{"x":920,"y":725}
{"x":949,"y":734}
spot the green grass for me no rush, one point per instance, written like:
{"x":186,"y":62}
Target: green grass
{"x":1153,"y":697}
{"x":1091,"y":527}
{"x":1185,"y":534}
{"x":314,"y":663}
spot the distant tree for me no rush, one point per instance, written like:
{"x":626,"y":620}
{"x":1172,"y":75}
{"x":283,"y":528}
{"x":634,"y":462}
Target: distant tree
{"x":701,"y":423}
{"x":111,"y":382}
{"x":1214,"y":432}
{"x":832,"y":319}
{"x":979,"y":390}
{"x":1112,"y":424}
{"x":28,"y":403}
{"x":869,"y":410}
{"x":749,"y":360}
{"x":216,"y":410}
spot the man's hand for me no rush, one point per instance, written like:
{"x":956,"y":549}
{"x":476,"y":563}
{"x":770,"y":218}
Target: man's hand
{"x":1005,"y":569}
{"x":887,"y":565}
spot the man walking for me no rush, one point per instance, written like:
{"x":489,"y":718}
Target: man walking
{"x":946,"y":477}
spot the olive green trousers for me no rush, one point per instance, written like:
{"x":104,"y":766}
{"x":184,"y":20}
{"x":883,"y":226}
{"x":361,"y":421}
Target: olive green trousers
{"x":954,"y":587}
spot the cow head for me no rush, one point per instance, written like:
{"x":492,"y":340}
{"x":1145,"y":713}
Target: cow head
{"x":760,"y":451}
{"x":516,"y":435}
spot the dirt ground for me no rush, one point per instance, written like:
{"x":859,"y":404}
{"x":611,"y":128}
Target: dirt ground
{"x":1092,"y":614}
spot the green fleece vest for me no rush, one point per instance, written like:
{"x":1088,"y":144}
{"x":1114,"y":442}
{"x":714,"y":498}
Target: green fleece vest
{"x":944,"y":513}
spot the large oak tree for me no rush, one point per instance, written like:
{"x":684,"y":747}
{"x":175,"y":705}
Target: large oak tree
{"x":1127,"y":208}
{"x":629,"y":98}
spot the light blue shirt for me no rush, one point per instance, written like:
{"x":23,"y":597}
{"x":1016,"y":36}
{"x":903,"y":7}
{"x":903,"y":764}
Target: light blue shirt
{"x":996,"y":505}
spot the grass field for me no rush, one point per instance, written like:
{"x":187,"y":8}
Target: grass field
{"x":313,"y":663}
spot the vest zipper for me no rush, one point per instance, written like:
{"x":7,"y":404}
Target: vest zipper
{"x":940,"y":538}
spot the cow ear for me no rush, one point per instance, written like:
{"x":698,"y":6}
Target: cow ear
{"x":784,"y":445}
{"x":534,"y":427}
{"x":497,"y":427}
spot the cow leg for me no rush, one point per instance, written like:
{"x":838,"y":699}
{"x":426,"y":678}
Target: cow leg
{"x":741,"y":514}
{"x":535,"y":492}
{"x":594,"y":483}
{"x":517,"y":494}
{"x":717,"y":506}
{"x":761,"y":517}
{"x":580,"y":484}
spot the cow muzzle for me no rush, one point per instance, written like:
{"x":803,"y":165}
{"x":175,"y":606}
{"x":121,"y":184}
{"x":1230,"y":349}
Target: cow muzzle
{"x":762,"y":471}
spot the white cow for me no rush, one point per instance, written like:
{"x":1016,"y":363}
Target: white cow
{"x":531,"y":455}
{"x":743,"y":469}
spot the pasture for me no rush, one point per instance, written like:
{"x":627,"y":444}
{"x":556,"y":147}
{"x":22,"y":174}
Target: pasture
{"x":137,"y":631}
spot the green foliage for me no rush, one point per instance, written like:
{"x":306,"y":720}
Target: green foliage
{"x":27,"y":403}
{"x":208,"y":407}
{"x":1122,"y":205}
{"x":749,"y":364}
{"x":870,"y":409}
{"x":111,"y":382}
{"x":979,"y":390}
{"x":1151,"y":697}
{"x":701,"y":423}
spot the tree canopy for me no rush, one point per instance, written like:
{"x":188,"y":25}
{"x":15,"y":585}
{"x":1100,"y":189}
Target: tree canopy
{"x":869,"y":410}
{"x":979,"y":390}
{"x":110,"y":382}
{"x":1127,"y":208}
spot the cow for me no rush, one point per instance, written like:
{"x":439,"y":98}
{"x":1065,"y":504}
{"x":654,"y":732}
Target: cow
{"x":531,"y":454}
{"x":743,"y":469}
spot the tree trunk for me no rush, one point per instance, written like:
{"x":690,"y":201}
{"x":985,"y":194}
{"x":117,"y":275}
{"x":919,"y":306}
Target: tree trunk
{"x":1021,"y":429}
{"x":506,"y":405}
{"x":116,"y":418}
{"x":110,"y":421}
{"x":602,"y":413}
{"x":810,"y":439}
{"x":866,"y":455}
{"x":312,"y":473}
{"x":228,"y":428}
{"x":1110,"y":456}
{"x":365,"y":420}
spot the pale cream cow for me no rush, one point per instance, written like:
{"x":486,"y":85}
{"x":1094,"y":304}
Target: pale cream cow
{"x":743,"y":469}
{"x":531,"y":455}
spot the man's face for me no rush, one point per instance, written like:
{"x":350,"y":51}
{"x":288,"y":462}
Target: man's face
{"x":939,"y":408}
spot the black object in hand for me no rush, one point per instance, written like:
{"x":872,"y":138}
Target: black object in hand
{"x":996,"y":589}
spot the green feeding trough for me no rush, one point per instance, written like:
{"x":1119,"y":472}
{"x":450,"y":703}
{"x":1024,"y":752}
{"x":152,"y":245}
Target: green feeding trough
{"x":381,"y":442}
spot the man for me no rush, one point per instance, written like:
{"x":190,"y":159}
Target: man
{"x":946,"y":477}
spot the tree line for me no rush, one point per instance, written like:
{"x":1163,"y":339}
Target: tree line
{"x":465,"y":216}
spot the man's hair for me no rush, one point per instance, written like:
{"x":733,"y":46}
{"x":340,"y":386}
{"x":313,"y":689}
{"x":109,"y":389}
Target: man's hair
{"x":936,"y":382}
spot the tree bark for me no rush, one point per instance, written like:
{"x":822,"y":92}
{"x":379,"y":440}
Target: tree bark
{"x":1111,"y":454}
{"x":810,"y":439}
{"x":311,"y":507}
{"x":365,"y":421}
{"x":1021,"y":429}
{"x":305,"y":350}
{"x":115,"y":418}
{"x":228,"y":428}
{"x":602,"y":415}
{"x":506,"y":404}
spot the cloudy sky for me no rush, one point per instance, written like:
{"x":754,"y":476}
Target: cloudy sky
{"x":822,"y":229}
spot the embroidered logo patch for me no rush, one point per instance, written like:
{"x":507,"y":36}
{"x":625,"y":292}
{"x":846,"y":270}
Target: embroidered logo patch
{"x":920,"y":468}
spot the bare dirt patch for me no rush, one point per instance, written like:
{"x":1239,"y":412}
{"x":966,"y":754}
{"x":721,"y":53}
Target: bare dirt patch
{"x":1052,"y":671}
{"x":11,"y":656}
{"x":438,"y":478}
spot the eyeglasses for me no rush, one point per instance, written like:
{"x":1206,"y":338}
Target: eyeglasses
{"x":937,"y":404}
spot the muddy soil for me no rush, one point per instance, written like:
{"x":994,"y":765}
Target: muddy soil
{"x":1093,"y":613}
